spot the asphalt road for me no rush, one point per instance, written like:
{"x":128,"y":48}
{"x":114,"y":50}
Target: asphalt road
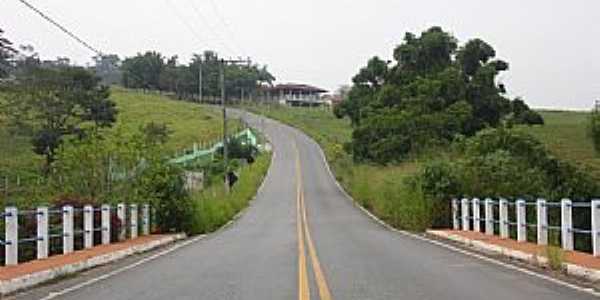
{"x":303,"y":239}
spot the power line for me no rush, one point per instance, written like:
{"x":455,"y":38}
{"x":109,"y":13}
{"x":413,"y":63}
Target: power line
{"x":226,"y":25}
{"x":62,"y":28}
{"x":185,"y":22}
{"x":210,"y":28}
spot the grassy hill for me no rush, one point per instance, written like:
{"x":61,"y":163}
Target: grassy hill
{"x":189,"y":123}
{"x":565,"y":134}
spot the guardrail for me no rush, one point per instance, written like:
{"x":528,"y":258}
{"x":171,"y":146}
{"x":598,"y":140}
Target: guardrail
{"x":69,"y":232}
{"x":466,"y":215}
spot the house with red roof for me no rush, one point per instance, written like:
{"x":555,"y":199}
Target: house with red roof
{"x":294,"y":94}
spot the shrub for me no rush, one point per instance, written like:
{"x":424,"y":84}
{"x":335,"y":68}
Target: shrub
{"x":164,"y":184}
{"x":502,"y":162}
{"x":212,"y":207}
{"x":555,"y":256}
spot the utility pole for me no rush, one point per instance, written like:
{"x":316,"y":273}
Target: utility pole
{"x":224,"y":62}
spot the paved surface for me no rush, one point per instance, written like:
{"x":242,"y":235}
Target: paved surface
{"x":259,"y":258}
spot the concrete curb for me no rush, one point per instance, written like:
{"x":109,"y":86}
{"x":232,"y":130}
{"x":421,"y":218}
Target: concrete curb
{"x":570,"y":269}
{"x":30,"y":280}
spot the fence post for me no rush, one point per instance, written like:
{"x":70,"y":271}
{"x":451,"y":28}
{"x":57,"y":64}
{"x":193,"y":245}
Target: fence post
{"x":88,"y":226}
{"x":68,"y":229}
{"x":133,"y":214}
{"x":595,"y":213}
{"x":455,"y":219}
{"x":105,"y":224}
{"x":542,"y":222}
{"x":122,"y":221}
{"x":145,"y":219}
{"x":566,"y":224}
{"x":521,"y":221}
{"x":489,"y":217}
{"x":11,"y":228}
{"x":465,"y":214}
{"x":476,"y":215}
{"x":503,"y":207}
{"x":42,"y":232}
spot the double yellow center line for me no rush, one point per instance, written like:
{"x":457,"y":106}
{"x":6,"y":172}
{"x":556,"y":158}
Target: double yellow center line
{"x":304,"y":233}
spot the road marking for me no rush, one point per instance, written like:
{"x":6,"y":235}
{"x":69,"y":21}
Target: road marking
{"x":321,"y":281}
{"x":472,"y":254}
{"x":303,"y":289}
{"x":324,"y":293}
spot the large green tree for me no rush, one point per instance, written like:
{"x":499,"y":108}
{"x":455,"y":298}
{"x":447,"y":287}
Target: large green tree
{"x":434,"y":90}
{"x":55,"y":103}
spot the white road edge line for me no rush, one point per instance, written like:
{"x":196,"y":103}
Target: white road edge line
{"x":53,"y":295}
{"x":81,"y":285}
{"x":447,"y":246}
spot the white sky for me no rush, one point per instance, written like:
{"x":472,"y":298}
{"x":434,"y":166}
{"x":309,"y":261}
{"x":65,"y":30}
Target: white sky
{"x":553,"y":46}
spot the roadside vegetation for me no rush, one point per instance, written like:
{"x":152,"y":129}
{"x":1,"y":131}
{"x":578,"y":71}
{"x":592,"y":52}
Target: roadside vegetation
{"x":66,"y":138}
{"x":435,"y":124}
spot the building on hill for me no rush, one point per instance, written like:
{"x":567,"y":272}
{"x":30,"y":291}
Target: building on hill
{"x":294,"y":94}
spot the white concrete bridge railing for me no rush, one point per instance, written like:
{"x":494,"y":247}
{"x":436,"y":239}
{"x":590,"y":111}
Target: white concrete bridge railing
{"x":466,"y":216}
{"x":69,"y":232}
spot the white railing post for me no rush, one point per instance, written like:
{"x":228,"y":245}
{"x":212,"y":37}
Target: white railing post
{"x":88,"y":226}
{"x":145,"y":219}
{"x":42,"y":232}
{"x":489,"y":217}
{"x":503,"y":210}
{"x":105,"y":212}
{"x":595,"y":212}
{"x":542,"y":222}
{"x":133,"y":214}
{"x":11,"y":236}
{"x":122,"y":221}
{"x":476,"y":215}
{"x":566,"y":224}
{"x":67,"y":229}
{"x":464,"y":209}
{"x":521,"y":221}
{"x":455,"y":219}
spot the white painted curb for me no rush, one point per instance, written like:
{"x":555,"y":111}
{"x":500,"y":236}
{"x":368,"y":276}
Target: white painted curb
{"x":30,"y":280}
{"x":571,"y":269}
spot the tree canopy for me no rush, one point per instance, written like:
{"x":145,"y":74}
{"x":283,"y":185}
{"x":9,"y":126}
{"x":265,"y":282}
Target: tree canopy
{"x":151,"y":70}
{"x":434,"y":90}
{"x":53,"y":103}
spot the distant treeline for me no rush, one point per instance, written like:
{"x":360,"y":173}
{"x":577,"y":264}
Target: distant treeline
{"x":153,"y":71}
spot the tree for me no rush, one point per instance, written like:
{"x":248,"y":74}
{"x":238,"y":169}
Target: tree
{"x":434,"y":91}
{"x":57,"y":103}
{"x":143,"y":70}
{"x":7,"y":52}
{"x":107,"y":67}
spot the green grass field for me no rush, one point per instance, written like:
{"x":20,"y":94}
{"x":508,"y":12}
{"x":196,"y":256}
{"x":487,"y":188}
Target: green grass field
{"x":565,"y":134}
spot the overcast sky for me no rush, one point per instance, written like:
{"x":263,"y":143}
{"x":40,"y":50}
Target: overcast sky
{"x":553,"y":46}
